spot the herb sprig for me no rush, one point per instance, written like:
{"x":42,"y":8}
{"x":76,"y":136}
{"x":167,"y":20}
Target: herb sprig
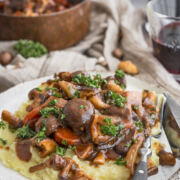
{"x":4,"y":142}
{"x":60,"y":151}
{"x":25,"y":132}
{"x":121,"y":161}
{"x":41,"y":135}
{"x":114,"y":98}
{"x":2,"y":125}
{"x":49,"y":110}
{"x":111,"y":129}
{"x":88,"y":81}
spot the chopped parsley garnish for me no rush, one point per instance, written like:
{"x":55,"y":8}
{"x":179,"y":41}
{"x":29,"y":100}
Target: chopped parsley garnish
{"x":89,"y":81}
{"x":51,"y":88}
{"x":30,"y":48}
{"x":128,"y":144}
{"x":49,"y":110}
{"x":38,"y":89}
{"x":58,"y":95}
{"x":110,"y":129}
{"x":104,"y":111}
{"x":120,"y":73}
{"x":114,"y":98}
{"x":123,"y":86}
{"x":135,"y":107}
{"x":120,"y":161}
{"x":139,"y":125}
{"x":42,"y":134}
{"x":72,"y":147}
{"x":25,"y":132}
{"x":11,"y":129}
{"x":134,"y":141}
{"x":64,"y":142}
{"x":53,"y":102}
{"x":77,"y":94}
{"x":108,"y":120}
{"x":2,"y":125}
{"x":82,"y":107}
{"x":60,"y":151}
{"x":63,"y":116}
{"x":4,"y":142}
{"x":116,"y":81}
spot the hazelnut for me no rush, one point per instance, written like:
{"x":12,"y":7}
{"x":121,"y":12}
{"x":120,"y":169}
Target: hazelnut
{"x":5,"y":58}
{"x":128,"y":67}
{"x":117,"y":53}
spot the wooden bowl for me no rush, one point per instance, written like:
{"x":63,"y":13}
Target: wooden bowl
{"x":56,"y":31}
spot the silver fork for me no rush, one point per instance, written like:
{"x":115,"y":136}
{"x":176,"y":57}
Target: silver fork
{"x":141,"y":172}
{"x":141,"y":169}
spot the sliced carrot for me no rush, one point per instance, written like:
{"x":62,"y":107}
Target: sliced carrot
{"x":35,"y":113}
{"x":32,"y":114}
{"x":67,"y":135}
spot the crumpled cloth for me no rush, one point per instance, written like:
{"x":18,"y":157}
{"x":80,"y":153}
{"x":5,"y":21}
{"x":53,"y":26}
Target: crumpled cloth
{"x":107,"y":17}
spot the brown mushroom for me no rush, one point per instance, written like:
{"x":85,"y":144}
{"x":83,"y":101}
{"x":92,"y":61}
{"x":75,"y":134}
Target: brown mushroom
{"x":100,"y":158}
{"x":166,"y":158}
{"x":12,"y":120}
{"x":45,"y":147}
{"x":5,"y":58}
{"x":79,"y":114}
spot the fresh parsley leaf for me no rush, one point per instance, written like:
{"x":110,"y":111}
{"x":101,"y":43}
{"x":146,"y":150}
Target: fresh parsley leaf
{"x":82,"y":107}
{"x":104,"y":111}
{"x":120,"y":161}
{"x":30,"y":48}
{"x":111,"y":129}
{"x":120,"y":73}
{"x":135,"y":107}
{"x":108,"y":120}
{"x":72,"y":147}
{"x":58,"y":95}
{"x":38,"y":89}
{"x":88,"y":81}
{"x":25,"y":132}
{"x":60,"y":151}
{"x":123,"y":86}
{"x":49,"y":110}
{"x":11,"y":129}
{"x":139,"y":125}
{"x":77,"y":94}
{"x":53,"y":102}
{"x":128,"y":144}
{"x":114,"y":98}
{"x":41,"y":135}
{"x":4,"y":142}
{"x":2,"y":125}
{"x":116,"y":81}
{"x":134,"y":141}
{"x":64,"y":142}
{"x":51,"y":88}
{"x":63,"y":116}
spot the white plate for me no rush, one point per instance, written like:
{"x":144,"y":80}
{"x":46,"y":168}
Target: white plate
{"x":14,"y":97}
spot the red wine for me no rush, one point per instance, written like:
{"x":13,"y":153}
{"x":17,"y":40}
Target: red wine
{"x":167,"y":47}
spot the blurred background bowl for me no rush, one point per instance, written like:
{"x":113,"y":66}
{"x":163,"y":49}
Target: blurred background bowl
{"x":56,"y":30}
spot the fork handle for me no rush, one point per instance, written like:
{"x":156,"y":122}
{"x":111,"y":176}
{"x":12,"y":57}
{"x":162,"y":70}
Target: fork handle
{"x":141,"y":171}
